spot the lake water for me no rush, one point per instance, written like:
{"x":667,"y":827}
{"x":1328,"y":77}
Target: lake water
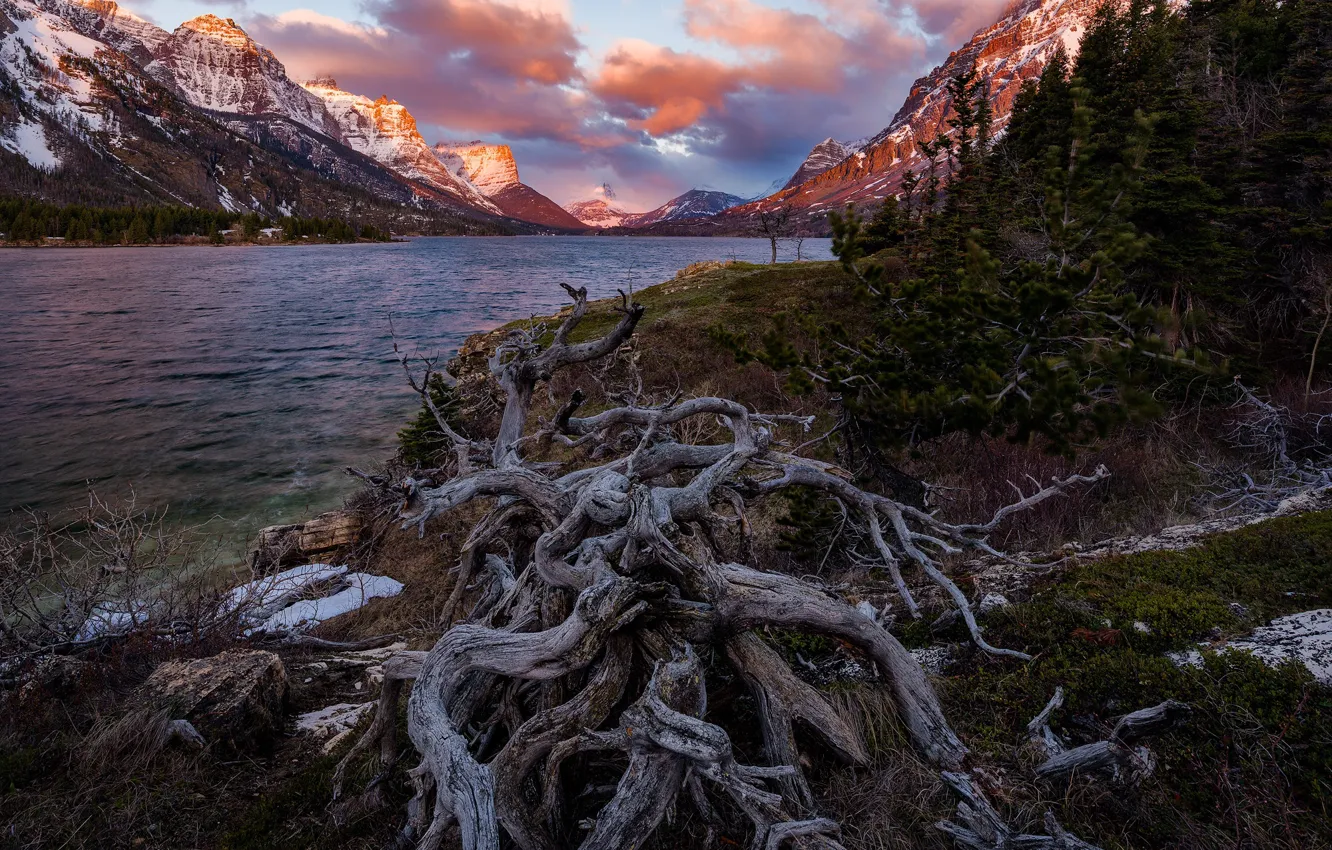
{"x":234,"y":384}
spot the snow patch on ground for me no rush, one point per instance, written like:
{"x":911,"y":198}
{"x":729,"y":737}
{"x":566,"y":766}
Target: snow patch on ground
{"x":309,"y":613}
{"x":260,"y":599}
{"x":28,"y":140}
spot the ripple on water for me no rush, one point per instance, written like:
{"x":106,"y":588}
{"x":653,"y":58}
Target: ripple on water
{"x":237,"y":383}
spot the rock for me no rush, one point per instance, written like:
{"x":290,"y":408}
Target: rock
{"x":334,"y":723}
{"x":934,"y":659}
{"x":278,"y":546}
{"x":1141,"y":628}
{"x":56,"y":675}
{"x":993,"y":602}
{"x":1306,"y":638}
{"x":329,"y":531}
{"x":235,"y":699}
{"x":283,"y":545}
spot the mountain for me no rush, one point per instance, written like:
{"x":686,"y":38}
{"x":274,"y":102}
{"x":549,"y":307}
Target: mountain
{"x":214,"y":65}
{"x":492,"y":169}
{"x":111,"y":109}
{"x":1006,"y":54}
{"x":825,"y":155}
{"x":692,"y":205}
{"x":600,"y":213}
{"x":386,"y":132}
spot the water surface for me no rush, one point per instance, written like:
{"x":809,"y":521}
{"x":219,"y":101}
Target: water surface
{"x":234,"y":384}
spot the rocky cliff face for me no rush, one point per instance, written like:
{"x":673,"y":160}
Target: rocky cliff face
{"x":491,"y":168}
{"x":827,"y":154}
{"x":216,"y":66}
{"x":600,"y":213}
{"x":1007,"y":53}
{"x":386,"y":132}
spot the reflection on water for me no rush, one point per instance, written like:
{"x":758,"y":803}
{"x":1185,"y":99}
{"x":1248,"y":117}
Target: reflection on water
{"x":236,"y":383}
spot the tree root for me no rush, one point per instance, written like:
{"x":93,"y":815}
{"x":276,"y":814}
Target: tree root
{"x":602,"y":587}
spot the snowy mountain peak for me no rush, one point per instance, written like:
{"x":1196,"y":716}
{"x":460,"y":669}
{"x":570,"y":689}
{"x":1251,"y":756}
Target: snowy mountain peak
{"x":105,"y":21}
{"x":386,"y":132}
{"x":694,"y":204}
{"x":598,"y":212}
{"x":1014,"y":49}
{"x":490,"y":167}
{"x":225,"y":30}
{"x":215,"y":65}
{"x":824,"y":156}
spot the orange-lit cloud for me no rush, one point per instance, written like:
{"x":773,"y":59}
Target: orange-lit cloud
{"x":747,"y":92}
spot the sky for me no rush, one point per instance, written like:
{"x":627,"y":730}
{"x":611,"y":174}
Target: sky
{"x":653,"y":98}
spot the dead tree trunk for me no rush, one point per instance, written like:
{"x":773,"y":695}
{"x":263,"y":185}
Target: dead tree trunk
{"x":626,"y":580}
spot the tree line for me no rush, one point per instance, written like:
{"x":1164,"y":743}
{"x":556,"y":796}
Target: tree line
{"x":1156,"y":210}
{"x":26,"y":220}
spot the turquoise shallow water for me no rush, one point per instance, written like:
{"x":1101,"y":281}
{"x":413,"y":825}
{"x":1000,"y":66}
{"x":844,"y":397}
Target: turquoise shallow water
{"x":233,"y":385}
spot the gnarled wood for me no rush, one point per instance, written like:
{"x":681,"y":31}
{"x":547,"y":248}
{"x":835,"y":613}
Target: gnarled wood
{"x":526,"y":686}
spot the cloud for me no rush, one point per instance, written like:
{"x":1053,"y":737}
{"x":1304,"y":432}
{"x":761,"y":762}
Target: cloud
{"x":472,"y":65}
{"x":789,"y":72}
{"x":739,"y":108}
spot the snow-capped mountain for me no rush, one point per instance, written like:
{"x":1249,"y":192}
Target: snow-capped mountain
{"x":601,"y":211}
{"x":692,"y":205}
{"x":386,"y":132}
{"x":825,"y":155}
{"x":83,"y":120}
{"x":1006,"y":54}
{"x":491,"y":168}
{"x":215,"y":65}
{"x":105,"y":21}
{"x":162,"y":110}
{"x":494,"y":172}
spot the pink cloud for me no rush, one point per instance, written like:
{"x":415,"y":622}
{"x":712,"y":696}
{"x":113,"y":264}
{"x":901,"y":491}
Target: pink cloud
{"x":764,"y":85}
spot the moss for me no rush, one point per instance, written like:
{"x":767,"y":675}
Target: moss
{"x":806,"y":644}
{"x":20,"y":766}
{"x":743,"y":297}
{"x":1254,"y":760}
{"x":287,"y":816}
{"x":1232,"y":582}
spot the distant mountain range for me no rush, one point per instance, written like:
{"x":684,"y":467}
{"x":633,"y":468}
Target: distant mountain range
{"x":691,"y":206}
{"x":108,"y":108}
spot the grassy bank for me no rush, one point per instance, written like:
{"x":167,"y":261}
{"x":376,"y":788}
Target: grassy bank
{"x":1250,"y":768}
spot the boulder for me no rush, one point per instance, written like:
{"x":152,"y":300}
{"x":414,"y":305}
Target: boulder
{"x":56,"y":675}
{"x":235,"y":699}
{"x":329,"y":531}
{"x":278,"y":546}
{"x":1305,"y":638}
{"x":281,"y":546}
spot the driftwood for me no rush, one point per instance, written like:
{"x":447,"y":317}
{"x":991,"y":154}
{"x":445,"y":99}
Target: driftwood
{"x":614,"y":604}
{"x":1118,"y":753}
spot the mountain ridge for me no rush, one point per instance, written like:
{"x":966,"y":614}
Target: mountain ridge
{"x":1007,"y":53}
{"x":97,"y":85}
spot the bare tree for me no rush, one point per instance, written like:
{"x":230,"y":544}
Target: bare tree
{"x":774,"y":224}
{"x":616,"y":569}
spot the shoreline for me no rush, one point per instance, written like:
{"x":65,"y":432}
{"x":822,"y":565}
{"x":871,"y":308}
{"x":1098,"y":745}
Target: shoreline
{"x":202,"y":243}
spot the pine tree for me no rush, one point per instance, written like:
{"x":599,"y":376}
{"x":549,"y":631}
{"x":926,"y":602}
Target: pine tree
{"x":138,"y":234}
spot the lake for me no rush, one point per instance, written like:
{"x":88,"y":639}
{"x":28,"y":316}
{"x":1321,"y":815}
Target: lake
{"x":234,"y":384}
